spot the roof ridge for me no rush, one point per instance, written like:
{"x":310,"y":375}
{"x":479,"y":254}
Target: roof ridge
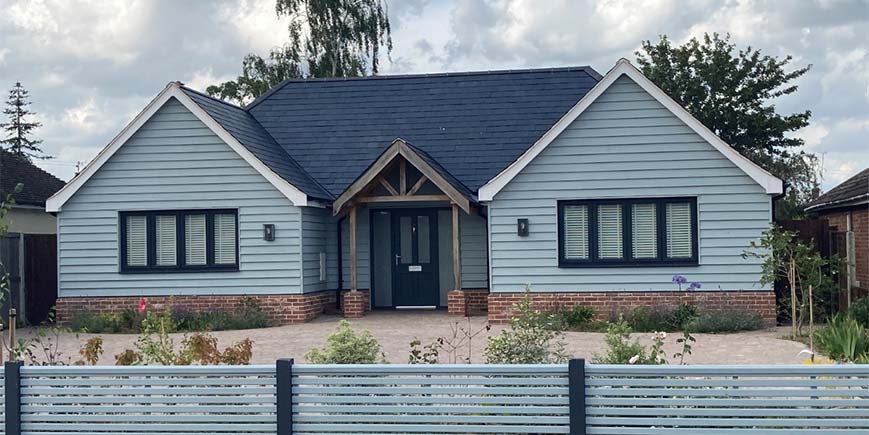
{"x":203,"y":94}
{"x":584,"y":68}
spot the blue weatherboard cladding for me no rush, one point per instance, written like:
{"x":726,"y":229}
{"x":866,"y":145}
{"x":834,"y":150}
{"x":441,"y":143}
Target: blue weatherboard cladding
{"x":249,"y":133}
{"x":472,"y":125}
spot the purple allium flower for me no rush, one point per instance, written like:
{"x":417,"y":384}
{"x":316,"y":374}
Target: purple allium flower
{"x":694,"y":286}
{"x":679,"y":279}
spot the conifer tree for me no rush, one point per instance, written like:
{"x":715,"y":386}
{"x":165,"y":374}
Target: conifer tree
{"x":19,"y":129}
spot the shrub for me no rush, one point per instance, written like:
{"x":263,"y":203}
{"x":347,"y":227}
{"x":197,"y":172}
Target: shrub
{"x":623,"y":350}
{"x":859,"y":311}
{"x":725,"y":321}
{"x":575,"y":317}
{"x":661,"y":318}
{"x":344,"y":346}
{"x":531,"y":338}
{"x":843,"y":339}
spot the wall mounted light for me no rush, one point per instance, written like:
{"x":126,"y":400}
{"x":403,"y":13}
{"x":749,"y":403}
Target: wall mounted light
{"x":522,"y":227}
{"x":269,"y":232}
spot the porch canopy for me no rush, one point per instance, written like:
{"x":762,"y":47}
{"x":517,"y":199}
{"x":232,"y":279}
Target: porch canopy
{"x":387,"y":181}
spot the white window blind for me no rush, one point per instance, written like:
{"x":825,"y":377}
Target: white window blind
{"x":224,"y":238}
{"x":164,"y":229}
{"x":679,"y":230}
{"x":644,"y":231}
{"x":194,"y":239}
{"x":137,"y":240}
{"x":575,"y":232}
{"x":609,"y":229}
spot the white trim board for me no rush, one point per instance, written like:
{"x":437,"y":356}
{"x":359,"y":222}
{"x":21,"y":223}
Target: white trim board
{"x":172,"y":90}
{"x":769,"y":182}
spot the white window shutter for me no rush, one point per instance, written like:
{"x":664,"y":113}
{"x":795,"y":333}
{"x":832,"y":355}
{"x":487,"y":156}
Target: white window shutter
{"x":679,"y":243}
{"x":644,"y":231}
{"x":575,"y":232}
{"x":609,"y":228}
{"x":165,"y":233}
{"x":224,"y":238}
{"x":194,"y":239}
{"x":137,"y":240}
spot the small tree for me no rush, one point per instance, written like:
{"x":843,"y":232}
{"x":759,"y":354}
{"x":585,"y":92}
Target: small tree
{"x":19,"y":130}
{"x":801,"y":266}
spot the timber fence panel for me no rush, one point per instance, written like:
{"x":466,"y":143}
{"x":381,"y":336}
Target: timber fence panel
{"x":727,"y":400}
{"x":148,"y":400}
{"x":430,"y":399}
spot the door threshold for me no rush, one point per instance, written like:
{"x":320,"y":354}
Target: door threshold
{"x":415,"y":307}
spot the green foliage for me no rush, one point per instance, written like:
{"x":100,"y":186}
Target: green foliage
{"x":725,"y":321}
{"x":730,"y":91}
{"x":661,"y":318}
{"x":576,"y":317}
{"x":621,"y":349}
{"x":844,"y":340}
{"x":18,"y":129}
{"x":129,"y":321}
{"x":327,"y":38}
{"x":781,"y":253}
{"x":859,"y":311}
{"x":428,"y":354}
{"x":344,"y":346}
{"x":531,"y":338}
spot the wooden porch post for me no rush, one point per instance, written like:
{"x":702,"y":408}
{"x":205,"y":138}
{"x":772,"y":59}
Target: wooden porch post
{"x":457,"y":264}
{"x":353,"y":272}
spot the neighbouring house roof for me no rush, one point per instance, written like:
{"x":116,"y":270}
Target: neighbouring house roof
{"x":853,"y":191}
{"x":38,"y":185}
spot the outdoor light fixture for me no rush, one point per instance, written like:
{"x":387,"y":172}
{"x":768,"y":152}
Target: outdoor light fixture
{"x":269,"y":232}
{"x":522,"y":227}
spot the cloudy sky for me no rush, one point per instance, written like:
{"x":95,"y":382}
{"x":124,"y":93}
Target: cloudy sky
{"x":92,"y":65}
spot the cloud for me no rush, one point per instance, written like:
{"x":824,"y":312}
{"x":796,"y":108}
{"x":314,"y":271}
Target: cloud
{"x":91,"y":66}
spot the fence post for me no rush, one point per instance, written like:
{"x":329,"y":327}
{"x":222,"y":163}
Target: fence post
{"x":284,"y":386}
{"x":576,"y":383}
{"x":12,"y":381}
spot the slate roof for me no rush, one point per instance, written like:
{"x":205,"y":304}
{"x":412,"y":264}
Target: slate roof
{"x":470,"y":125}
{"x":852,"y":191}
{"x":38,"y":185}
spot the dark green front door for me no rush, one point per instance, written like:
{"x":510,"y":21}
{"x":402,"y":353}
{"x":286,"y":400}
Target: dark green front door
{"x":415,"y":258}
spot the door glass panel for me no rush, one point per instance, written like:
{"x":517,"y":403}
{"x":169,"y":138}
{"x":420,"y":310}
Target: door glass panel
{"x":423,"y":239}
{"x":405,"y":225}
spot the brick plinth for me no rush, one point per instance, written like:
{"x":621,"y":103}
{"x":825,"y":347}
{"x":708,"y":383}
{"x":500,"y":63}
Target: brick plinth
{"x":467,"y":302}
{"x":610,"y":304}
{"x":281,"y":309}
{"x":354,"y":303}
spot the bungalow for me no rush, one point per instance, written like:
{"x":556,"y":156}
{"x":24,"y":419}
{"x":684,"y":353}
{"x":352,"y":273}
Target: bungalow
{"x":451,"y":190}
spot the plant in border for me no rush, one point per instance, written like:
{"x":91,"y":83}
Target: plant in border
{"x":621,"y":349}
{"x":527,"y":339}
{"x":844,"y":340}
{"x":344,"y":346}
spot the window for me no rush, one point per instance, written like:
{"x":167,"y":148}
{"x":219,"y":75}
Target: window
{"x":177,"y":241}
{"x":637,"y":232}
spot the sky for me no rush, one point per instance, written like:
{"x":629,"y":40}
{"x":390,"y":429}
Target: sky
{"x":91,"y":66}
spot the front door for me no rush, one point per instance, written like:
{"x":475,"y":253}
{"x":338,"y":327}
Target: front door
{"x":415,"y":258}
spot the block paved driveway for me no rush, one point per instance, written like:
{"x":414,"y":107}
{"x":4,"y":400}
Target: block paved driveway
{"x":395,"y":330}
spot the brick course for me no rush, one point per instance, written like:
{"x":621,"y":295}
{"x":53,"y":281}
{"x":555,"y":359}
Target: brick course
{"x":610,"y":304}
{"x":355,"y":303}
{"x":467,"y":302}
{"x":281,"y":309}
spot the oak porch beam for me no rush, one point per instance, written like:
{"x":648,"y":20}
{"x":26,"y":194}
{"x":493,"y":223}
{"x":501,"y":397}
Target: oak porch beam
{"x":353,"y":271}
{"x":457,"y":263}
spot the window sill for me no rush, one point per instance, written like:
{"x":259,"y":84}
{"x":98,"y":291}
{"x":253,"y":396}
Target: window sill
{"x":573,"y":265}
{"x":233,"y":268}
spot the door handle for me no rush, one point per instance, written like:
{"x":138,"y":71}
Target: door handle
{"x":397,"y":257}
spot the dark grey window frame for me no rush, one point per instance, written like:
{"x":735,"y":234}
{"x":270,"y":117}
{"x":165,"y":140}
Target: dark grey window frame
{"x":661,"y":261}
{"x":181,"y":258}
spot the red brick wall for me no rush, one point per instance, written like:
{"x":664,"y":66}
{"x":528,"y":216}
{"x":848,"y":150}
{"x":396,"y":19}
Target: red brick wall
{"x":355,"y":304}
{"x":610,"y":304}
{"x":467,"y":302}
{"x":281,"y":309}
{"x":860,"y":226}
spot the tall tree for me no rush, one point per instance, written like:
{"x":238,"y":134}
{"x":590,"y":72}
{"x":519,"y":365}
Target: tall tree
{"x":730,"y":92}
{"x":18,"y":129}
{"x":328,"y":38}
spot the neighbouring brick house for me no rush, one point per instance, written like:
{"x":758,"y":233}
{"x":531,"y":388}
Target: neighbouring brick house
{"x":846,"y":209}
{"x":447,"y":190}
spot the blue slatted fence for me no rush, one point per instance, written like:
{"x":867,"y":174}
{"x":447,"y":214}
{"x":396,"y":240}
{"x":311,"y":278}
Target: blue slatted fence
{"x":438,"y":399}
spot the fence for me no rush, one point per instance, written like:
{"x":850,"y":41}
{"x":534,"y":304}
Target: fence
{"x":286,"y":399}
